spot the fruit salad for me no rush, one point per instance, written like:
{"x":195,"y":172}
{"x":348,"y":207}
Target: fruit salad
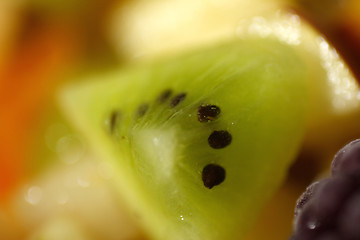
{"x":180,"y":120}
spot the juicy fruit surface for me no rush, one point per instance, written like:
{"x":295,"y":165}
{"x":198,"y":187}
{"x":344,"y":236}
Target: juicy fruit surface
{"x":347,"y":160}
{"x":329,"y":209}
{"x":145,"y":122}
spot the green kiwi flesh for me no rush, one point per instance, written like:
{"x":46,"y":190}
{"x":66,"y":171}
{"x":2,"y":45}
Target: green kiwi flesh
{"x":144,"y":121}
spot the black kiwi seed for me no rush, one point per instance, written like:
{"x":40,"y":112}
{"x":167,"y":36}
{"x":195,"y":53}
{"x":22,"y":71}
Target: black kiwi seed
{"x":219,"y":139}
{"x":208,"y":113}
{"x":164,"y":96}
{"x":114,"y":118}
{"x":142,"y":109}
{"x":212,"y":175}
{"x":177,"y":99}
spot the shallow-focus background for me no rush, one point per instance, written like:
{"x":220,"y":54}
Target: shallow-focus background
{"x":51,"y":186}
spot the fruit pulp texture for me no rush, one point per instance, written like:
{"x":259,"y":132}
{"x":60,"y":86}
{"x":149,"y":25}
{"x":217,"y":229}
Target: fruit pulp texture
{"x":159,"y":149}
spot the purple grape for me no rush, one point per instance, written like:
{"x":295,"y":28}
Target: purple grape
{"x":299,"y":237}
{"x":349,"y":219}
{"x":347,"y":160}
{"x":305,"y":197}
{"x":319,"y":206}
{"x":330,"y":235}
{"x":330,"y":196}
{"x":310,"y":226}
{"x":330,"y":209}
{"x":307,"y":224}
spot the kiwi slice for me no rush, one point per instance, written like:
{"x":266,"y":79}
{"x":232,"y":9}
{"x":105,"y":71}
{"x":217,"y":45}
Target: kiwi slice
{"x":198,"y":143}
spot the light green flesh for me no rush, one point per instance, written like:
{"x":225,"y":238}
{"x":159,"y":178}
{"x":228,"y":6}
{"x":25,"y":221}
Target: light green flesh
{"x":260,"y":87}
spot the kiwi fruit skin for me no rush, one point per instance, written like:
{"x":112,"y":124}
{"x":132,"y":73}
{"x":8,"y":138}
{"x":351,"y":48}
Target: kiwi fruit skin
{"x":260,"y":86}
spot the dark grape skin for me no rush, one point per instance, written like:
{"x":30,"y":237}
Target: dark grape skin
{"x":330,"y":196}
{"x":349,"y":219}
{"x":326,"y":196}
{"x":311,"y":222}
{"x":305,"y":197}
{"x":347,"y":160}
{"x":307,"y":224}
{"x":330,"y":209}
{"x":331,"y":235}
{"x":318,"y":208}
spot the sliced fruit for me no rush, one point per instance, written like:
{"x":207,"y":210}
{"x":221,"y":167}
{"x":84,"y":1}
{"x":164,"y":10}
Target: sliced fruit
{"x":184,"y":177}
{"x":142,"y":28}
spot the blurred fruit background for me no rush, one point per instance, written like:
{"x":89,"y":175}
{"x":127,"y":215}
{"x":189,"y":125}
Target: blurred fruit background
{"x":51,"y":186}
